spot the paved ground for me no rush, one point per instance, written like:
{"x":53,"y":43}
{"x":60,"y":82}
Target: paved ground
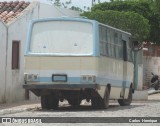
{"x":150,"y":108}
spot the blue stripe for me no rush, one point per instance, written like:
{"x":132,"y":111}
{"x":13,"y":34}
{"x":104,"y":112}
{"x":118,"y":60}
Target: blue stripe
{"x":99,"y":80}
{"x":93,"y":22}
{"x":114,"y":83}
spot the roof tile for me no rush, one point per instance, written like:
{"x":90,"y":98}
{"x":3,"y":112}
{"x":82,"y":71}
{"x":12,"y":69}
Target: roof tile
{"x":10,"y":10}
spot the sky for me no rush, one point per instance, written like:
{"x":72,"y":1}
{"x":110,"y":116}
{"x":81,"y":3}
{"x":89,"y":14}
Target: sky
{"x":82,"y":3}
{"x":77,"y":3}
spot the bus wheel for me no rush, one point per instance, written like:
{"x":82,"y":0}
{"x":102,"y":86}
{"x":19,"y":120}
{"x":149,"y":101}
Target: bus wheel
{"x":95,"y":102}
{"x":126,"y":102}
{"x":49,"y":102}
{"x":101,"y":103}
{"x":74,"y":102}
{"x":44,"y":102}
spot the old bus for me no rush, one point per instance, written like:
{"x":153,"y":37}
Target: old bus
{"x":76,"y":59}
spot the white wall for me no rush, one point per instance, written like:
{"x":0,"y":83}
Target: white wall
{"x":46,"y":10}
{"x":17,"y":30}
{"x":140,"y":70}
{"x":3,"y":34}
{"x":140,"y":77}
{"x":151,"y":64}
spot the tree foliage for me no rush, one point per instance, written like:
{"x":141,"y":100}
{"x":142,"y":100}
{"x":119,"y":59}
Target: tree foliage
{"x":127,"y":21}
{"x":67,"y":4}
{"x":149,"y":9}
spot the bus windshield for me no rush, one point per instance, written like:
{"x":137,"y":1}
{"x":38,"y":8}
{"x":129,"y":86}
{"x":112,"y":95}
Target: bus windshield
{"x":62,"y":38}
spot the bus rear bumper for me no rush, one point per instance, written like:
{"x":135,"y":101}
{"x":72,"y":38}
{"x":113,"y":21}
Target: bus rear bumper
{"x":61,"y":86}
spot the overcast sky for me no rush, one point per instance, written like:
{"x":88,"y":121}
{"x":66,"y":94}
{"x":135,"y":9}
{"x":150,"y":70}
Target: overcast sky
{"x":77,"y":3}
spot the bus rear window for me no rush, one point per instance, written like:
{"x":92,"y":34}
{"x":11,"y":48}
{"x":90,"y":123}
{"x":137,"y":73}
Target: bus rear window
{"x":62,"y":38}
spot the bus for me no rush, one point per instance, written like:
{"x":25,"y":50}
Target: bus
{"x":77,"y":59}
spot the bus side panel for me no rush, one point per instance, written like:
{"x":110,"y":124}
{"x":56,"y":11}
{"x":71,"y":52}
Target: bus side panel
{"x":110,"y":71}
{"x":129,"y":76}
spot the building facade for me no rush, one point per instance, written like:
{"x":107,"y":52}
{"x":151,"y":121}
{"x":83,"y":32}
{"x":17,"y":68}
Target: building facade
{"x":13,"y":34}
{"x":151,"y":62}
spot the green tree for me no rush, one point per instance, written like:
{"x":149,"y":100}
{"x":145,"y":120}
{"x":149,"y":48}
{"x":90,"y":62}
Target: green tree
{"x":67,"y":4}
{"x":76,"y":9}
{"x":57,"y":3}
{"x":146,"y":8}
{"x":127,"y":21}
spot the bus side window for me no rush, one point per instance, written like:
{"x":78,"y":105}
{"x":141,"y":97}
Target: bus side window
{"x":129,"y":51}
{"x":112,"y":44}
{"x":109,"y":43}
{"x":125,"y":55}
{"x":118,"y":46}
{"x":130,"y":58}
{"x":103,"y":40}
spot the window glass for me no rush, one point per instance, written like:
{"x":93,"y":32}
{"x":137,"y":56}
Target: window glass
{"x":103,"y":40}
{"x":116,"y":38}
{"x":112,"y":50}
{"x":129,"y":49}
{"x":101,"y":48}
{"x":58,"y":38}
{"x":112,"y":37}
{"x":121,"y":52}
{"x":130,"y":58}
{"x":120,"y":39}
{"x":108,"y":36}
{"x":103,"y":34}
{"x":111,"y":44}
{"x":100,"y":33}
{"x":109,"y":49}
{"x":117,"y":51}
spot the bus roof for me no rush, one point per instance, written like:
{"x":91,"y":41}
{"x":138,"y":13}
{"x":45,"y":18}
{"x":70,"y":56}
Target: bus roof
{"x":80,"y":19}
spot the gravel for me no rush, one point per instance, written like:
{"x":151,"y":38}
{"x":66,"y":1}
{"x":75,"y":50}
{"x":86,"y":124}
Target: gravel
{"x":150,"y":108}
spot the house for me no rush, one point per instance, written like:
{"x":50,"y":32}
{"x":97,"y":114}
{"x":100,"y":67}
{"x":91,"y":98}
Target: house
{"x":14,"y":21}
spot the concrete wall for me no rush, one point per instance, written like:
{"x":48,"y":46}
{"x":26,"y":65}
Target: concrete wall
{"x":140,"y":70}
{"x":53,"y":11}
{"x":17,"y":30}
{"x":151,"y":64}
{"x":140,"y":77}
{"x":3,"y":34}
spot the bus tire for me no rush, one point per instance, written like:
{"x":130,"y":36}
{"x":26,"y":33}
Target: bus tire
{"x":105,"y":101}
{"x":101,"y":103}
{"x":44,"y":102}
{"x":126,"y":102}
{"x":95,"y":102}
{"x":156,"y":87}
{"x":49,"y":102}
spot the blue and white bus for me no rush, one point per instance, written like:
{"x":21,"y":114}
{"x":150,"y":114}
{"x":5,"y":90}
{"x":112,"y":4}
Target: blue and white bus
{"x":76,"y":59}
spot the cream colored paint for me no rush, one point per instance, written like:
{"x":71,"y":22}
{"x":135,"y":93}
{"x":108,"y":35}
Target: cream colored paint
{"x":105,"y":67}
{"x":70,"y":73}
{"x":60,"y":63}
{"x":76,"y":66}
{"x":110,"y":67}
{"x":126,"y":93}
{"x":115,"y":93}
